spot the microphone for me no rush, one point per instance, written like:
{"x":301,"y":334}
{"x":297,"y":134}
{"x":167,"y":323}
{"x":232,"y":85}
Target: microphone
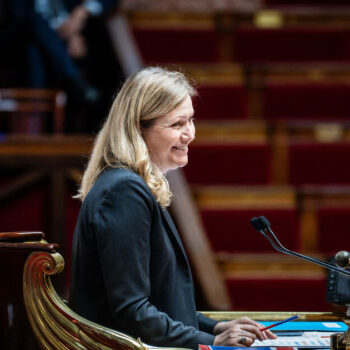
{"x":262,"y":225}
{"x":342,"y":259}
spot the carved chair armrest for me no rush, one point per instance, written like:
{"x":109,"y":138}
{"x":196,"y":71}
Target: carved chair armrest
{"x":21,"y":236}
{"x":54,"y":324}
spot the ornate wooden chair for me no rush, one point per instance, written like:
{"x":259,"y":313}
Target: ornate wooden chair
{"x":54,"y":324}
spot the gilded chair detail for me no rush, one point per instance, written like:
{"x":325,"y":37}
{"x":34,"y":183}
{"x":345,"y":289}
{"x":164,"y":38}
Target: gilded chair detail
{"x":54,"y":324}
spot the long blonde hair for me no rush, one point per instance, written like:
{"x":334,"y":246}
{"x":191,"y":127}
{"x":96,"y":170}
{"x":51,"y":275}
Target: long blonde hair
{"x":145,"y":96}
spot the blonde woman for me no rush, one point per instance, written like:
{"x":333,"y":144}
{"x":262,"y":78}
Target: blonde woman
{"x":130,"y":271}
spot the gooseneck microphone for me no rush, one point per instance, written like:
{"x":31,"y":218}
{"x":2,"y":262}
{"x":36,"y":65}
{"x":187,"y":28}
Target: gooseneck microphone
{"x":262,"y":225}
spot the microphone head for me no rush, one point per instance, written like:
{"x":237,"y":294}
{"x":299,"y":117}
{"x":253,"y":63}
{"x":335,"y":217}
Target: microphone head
{"x":255,"y":223}
{"x":342,"y":259}
{"x":263,"y":223}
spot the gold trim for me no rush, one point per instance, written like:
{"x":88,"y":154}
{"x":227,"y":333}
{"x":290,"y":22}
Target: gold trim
{"x":172,"y":21}
{"x":240,"y":197}
{"x":228,"y":132}
{"x":54,"y":324}
{"x":275,"y":316}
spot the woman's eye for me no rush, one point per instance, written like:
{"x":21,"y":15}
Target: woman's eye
{"x":183,"y":122}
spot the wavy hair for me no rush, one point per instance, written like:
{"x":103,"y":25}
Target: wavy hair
{"x":144,"y":97}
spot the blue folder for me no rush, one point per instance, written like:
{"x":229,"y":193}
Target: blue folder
{"x":327,"y":326}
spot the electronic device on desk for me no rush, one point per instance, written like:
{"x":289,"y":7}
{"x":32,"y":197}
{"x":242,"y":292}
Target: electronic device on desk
{"x":338,"y":285}
{"x":339,"y":341}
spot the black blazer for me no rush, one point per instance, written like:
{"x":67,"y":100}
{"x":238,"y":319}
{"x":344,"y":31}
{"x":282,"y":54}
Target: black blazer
{"x":129,"y":267}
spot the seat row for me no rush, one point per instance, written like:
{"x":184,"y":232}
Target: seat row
{"x":253,"y":153}
{"x":313,"y":221}
{"x":274,"y":93}
{"x":309,"y":219}
{"x":258,"y":37}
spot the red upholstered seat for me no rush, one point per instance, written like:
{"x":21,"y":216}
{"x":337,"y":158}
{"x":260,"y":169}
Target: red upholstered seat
{"x":292,"y":44}
{"x":334,"y":229}
{"x":306,"y":101}
{"x":72,"y":212}
{"x":278,"y":294}
{"x":231,"y":231}
{"x":177,"y":45}
{"x":319,"y":163}
{"x":212,"y":102}
{"x":27,"y":212}
{"x":229,"y":164}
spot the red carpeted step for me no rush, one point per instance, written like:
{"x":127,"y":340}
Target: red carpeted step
{"x":167,"y":45}
{"x":333,"y":228}
{"x":306,"y":101}
{"x":236,"y":163}
{"x":229,"y":230}
{"x":292,"y":44}
{"x":319,"y":163}
{"x":212,"y":102}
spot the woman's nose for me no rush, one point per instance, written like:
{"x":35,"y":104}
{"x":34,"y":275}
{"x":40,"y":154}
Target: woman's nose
{"x":188,"y":134}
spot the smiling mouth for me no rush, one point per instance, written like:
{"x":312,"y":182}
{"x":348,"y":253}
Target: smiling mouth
{"x":181,"y":148}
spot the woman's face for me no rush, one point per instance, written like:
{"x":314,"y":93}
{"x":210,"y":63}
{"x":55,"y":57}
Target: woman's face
{"x":167,"y":139}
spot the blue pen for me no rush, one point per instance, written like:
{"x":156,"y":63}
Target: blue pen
{"x":280,"y":322}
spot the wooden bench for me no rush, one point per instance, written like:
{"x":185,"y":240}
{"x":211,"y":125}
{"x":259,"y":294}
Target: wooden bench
{"x":26,"y":102}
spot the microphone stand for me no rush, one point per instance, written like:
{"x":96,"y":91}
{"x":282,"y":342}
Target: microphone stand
{"x":339,"y":341}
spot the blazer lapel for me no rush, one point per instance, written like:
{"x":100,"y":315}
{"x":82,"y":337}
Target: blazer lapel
{"x":169,"y":222}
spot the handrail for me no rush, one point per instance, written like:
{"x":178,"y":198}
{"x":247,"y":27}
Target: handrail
{"x":124,"y":44}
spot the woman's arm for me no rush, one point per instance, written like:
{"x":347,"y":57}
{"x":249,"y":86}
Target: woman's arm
{"x":206,"y":324}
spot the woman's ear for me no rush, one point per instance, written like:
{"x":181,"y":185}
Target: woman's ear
{"x":142,"y":130}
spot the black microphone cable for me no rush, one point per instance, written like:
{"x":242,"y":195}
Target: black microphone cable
{"x":262,"y":225}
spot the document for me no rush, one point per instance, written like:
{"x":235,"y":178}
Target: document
{"x":307,"y":339}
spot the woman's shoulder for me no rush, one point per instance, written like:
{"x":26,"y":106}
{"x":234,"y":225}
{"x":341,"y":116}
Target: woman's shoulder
{"x":123,"y":178}
{"x":118,"y":173}
{"x":115,"y":175}
{"x":114,"y":187}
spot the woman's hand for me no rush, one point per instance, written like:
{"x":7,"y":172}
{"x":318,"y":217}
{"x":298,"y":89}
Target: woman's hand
{"x":240,"y":332}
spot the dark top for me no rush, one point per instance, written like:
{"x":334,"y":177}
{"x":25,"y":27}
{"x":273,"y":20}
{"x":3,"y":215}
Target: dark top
{"x":129,"y":269}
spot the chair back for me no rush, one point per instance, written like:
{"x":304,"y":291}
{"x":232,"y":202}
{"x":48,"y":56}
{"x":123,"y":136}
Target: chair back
{"x":29,"y":102}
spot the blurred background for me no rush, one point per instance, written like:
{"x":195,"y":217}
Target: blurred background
{"x":272,"y":119}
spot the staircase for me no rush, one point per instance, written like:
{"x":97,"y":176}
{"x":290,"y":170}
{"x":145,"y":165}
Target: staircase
{"x":273,"y":122}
